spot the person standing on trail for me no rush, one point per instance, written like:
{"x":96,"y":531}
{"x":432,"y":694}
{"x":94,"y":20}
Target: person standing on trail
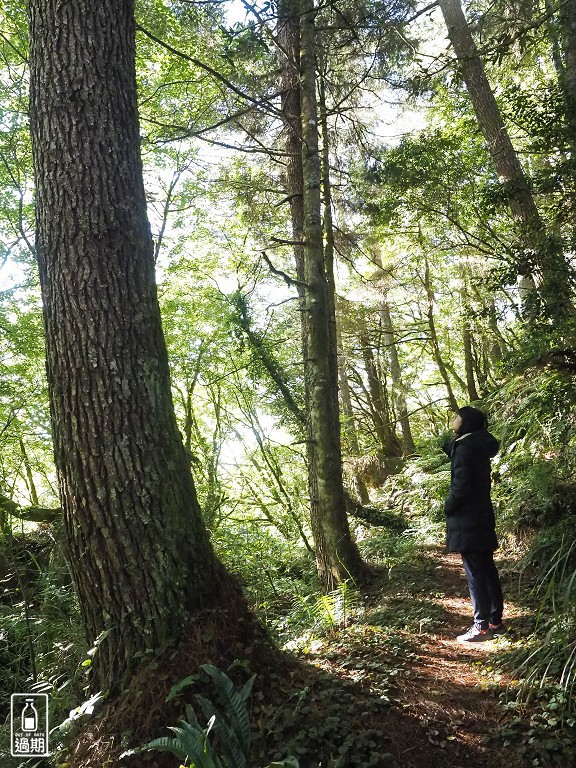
{"x":470,"y":523}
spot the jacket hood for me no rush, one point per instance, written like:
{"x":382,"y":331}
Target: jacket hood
{"x":481,"y":441}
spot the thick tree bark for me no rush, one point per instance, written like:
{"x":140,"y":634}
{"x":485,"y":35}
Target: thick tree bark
{"x":139,"y":552}
{"x":543,"y":259}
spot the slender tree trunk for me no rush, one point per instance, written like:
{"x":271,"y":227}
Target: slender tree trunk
{"x":398,"y":388}
{"x":336,"y":553}
{"x":337,"y":363}
{"x":289,"y":42}
{"x":467,"y":337}
{"x":562,"y":34}
{"x":469,"y":361}
{"x":543,"y":259}
{"x":29,"y":474}
{"x":495,"y":342}
{"x":434,"y":337}
{"x":565,"y":60}
{"x":266,"y":358}
{"x":498,"y":347}
{"x":328,"y":226}
{"x":139,"y":552}
{"x":349,"y":426}
{"x":379,"y":405}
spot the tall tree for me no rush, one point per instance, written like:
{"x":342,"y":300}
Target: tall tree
{"x":139,"y":552}
{"x":337,"y":556}
{"x":543,"y":259}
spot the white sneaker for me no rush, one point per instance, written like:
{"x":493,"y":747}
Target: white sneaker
{"x":475,"y":635}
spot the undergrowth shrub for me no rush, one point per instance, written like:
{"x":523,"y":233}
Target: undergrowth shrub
{"x":41,"y":636}
{"x":534,"y":417}
{"x":225,"y":740}
{"x":419,"y":490}
{"x":547,"y":660}
{"x":269,"y":565}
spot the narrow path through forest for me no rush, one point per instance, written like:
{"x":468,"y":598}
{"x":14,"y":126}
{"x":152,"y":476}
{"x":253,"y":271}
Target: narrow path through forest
{"x":447,"y":689}
{"x":447,"y":704}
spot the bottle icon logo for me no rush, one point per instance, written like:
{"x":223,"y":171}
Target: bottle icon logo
{"x":29,"y":717}
{"x":29,"y":730}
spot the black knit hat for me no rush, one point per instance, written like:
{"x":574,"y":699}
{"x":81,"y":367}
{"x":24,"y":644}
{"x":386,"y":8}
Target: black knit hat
{"x":473,"y":420}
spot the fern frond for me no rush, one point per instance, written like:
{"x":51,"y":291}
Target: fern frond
{"x":190,"y":745}
{"x":235,"y":705}
{"x":234,"y":749}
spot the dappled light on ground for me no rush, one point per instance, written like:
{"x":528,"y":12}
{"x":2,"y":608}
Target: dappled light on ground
{"x":393,"y":688}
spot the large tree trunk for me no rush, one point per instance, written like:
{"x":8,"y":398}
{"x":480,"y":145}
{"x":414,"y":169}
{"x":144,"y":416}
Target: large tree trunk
{"x":139,"y":552}
{"x":543,"y":259}
{"x":336,"y":553}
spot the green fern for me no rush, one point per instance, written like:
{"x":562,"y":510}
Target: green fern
{"x":190,"y":745}
{"x":551,"y":658}
{"x":336,"y":607}
{"x":325,"y":612}
{"x":230,"y":726}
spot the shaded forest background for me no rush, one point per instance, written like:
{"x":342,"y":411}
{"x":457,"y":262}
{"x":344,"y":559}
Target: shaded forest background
{"x":433,"y":200}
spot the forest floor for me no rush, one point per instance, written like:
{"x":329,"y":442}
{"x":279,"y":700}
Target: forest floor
{"x":442,"y":703}
{"x":447,"y":697}
{"x":393,"y":689}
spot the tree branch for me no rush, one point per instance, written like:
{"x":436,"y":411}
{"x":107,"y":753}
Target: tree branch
{"x":30,"y":514}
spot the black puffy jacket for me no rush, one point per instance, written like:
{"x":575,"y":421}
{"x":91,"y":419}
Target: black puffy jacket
{"x":469,"y":512}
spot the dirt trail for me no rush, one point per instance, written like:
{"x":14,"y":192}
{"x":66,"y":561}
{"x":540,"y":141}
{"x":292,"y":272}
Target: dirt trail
{"x":445,"y":711}
{"x":447,"y":690}
{"x":450,"y":710}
